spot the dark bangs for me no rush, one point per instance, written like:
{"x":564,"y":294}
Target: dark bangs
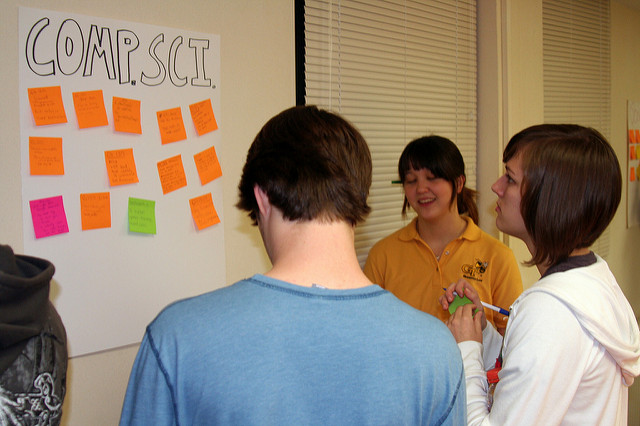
{"x":436,"y":153}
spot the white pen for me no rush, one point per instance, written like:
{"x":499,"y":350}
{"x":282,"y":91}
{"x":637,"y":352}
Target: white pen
{"x":488,"y":306}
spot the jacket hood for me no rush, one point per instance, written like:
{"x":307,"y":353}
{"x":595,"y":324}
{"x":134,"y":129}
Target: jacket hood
{"x":603,"y":311}
{"x":24,"y":301}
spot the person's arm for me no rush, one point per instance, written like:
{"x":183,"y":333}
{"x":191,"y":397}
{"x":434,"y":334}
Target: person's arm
{"x":538,"y":378}
{"x":149,"y":399}
{"x":491,"y":345}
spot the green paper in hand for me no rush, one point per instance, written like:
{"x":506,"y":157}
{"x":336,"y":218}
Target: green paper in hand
{"x":458,"y":301}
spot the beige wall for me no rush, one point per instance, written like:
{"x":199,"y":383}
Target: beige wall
{"x":522,"y":88}
{"x":257,"y":66}
{"x":257,"y":81}
{"x":625,"y":85}
{"x":510,"y":50}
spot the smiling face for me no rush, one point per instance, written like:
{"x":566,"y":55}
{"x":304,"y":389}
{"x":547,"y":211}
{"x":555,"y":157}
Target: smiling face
{"x":508,"y":188}
{"x":428,"y":195}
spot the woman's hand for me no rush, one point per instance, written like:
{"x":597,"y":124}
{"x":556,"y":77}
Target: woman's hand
{"x":464,"y":324}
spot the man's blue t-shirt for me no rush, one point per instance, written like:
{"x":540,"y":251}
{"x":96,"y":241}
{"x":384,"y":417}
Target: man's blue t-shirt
{"x":266,"y":352}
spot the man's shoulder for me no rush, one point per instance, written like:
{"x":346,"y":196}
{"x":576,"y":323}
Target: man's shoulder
{"x":193,"y":310}
{"x":428,"y":341}
{"x":416,"y":324}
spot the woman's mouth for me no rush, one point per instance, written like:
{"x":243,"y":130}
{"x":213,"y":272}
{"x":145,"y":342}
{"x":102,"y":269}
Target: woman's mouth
{"x":424,"y":201}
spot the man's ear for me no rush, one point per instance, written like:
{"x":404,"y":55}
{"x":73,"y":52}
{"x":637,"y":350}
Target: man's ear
{"x":262,"y":199}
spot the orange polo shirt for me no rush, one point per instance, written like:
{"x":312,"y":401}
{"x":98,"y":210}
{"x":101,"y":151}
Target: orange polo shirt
{"x":405,"y":265}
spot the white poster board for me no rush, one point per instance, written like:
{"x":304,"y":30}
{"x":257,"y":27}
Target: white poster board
{"x":633,"y":164}
{"x":112,"y":277}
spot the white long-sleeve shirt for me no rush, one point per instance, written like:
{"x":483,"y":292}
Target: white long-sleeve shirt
{"x":571,"y":349}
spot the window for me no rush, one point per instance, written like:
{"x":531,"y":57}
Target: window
{"x":577,"y":68}
{"x":397,"y":70}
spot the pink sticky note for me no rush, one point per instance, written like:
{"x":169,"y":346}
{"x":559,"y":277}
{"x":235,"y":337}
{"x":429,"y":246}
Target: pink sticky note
{"x":48,"y":216}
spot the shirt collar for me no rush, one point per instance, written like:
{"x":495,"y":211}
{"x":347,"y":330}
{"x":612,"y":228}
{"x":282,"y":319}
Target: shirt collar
{"x":410,"y":232}
{"x":572,"y":262}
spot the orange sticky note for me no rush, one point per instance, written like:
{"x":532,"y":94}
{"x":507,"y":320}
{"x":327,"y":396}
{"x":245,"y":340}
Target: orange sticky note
{"x":203,"y":118}
{"x":637,"y":135}
{"x":171,"y":173}
{"x":632,"y":174}
{"x":45,"y":156}
{"x":126,"y":115}
{"x":46,"y":105}
{"x":121,"y":166}
{"x":632,"y":153}
{"x":90,"y":109}
{"x":208,"y":165}
{"x":95,"y":210}
{"x":203,"y":212}
{"x":632,"y":136}
{"x":171,"y":125}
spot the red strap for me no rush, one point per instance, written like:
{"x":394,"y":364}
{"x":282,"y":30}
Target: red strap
{"x":492,"y":375}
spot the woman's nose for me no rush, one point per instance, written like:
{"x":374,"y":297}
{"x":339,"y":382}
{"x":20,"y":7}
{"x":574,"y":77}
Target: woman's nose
{"x":498,"y":186}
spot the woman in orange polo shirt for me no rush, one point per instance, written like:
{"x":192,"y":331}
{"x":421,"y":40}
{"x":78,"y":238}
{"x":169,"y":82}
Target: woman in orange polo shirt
{"x":443,"y":243}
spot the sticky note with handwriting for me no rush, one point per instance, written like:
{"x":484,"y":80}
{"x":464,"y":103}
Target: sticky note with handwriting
{"x":121,"y":166}
{"x":95,"y":210}
{"x":171,"y":172}
{"x":90,"y":110}
{"x":208,"y":165}
{"x":126,"y":115}
{"x":47,"y":106}
{"x":48,"y":216}
{"x":203,"y":118}
{"x":45,"y":156}
{"x":142,"y":216}
{"x":203,"y":211}
{"x":171,"y":125}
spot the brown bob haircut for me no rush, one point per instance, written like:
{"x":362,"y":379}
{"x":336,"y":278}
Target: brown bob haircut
{"x":312,"y":164}
{"x":571,"y":187}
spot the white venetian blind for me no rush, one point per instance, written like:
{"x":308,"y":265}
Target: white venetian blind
{"x":397,"y":70}
{"x":577,"y":68}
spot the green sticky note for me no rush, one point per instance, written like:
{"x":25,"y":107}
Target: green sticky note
{"x":458,"y":301}
{"x":142,"y":216}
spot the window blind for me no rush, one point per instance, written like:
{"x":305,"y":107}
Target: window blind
{"x":397,"y":70}
{"x":577,"y":68}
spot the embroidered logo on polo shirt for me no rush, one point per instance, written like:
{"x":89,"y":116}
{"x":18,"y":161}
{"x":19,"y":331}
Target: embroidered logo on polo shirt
{"x":475,"y":271}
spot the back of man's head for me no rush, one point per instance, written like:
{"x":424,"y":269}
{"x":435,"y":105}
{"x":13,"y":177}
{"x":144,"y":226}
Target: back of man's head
{"x":312,"y":164}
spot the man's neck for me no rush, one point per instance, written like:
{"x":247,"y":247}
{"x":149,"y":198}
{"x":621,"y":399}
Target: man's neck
{"x":314,"y":252}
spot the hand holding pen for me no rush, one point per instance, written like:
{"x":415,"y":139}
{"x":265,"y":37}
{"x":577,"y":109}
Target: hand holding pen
{"x":488,"y":306}
{"x":466,"y":323}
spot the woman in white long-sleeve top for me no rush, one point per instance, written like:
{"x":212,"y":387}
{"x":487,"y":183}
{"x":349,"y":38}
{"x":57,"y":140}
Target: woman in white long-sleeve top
{"x":572,"y":345}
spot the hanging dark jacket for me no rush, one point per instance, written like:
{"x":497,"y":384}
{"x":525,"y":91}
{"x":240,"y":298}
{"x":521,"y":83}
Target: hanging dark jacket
{"x":33,"y":343}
